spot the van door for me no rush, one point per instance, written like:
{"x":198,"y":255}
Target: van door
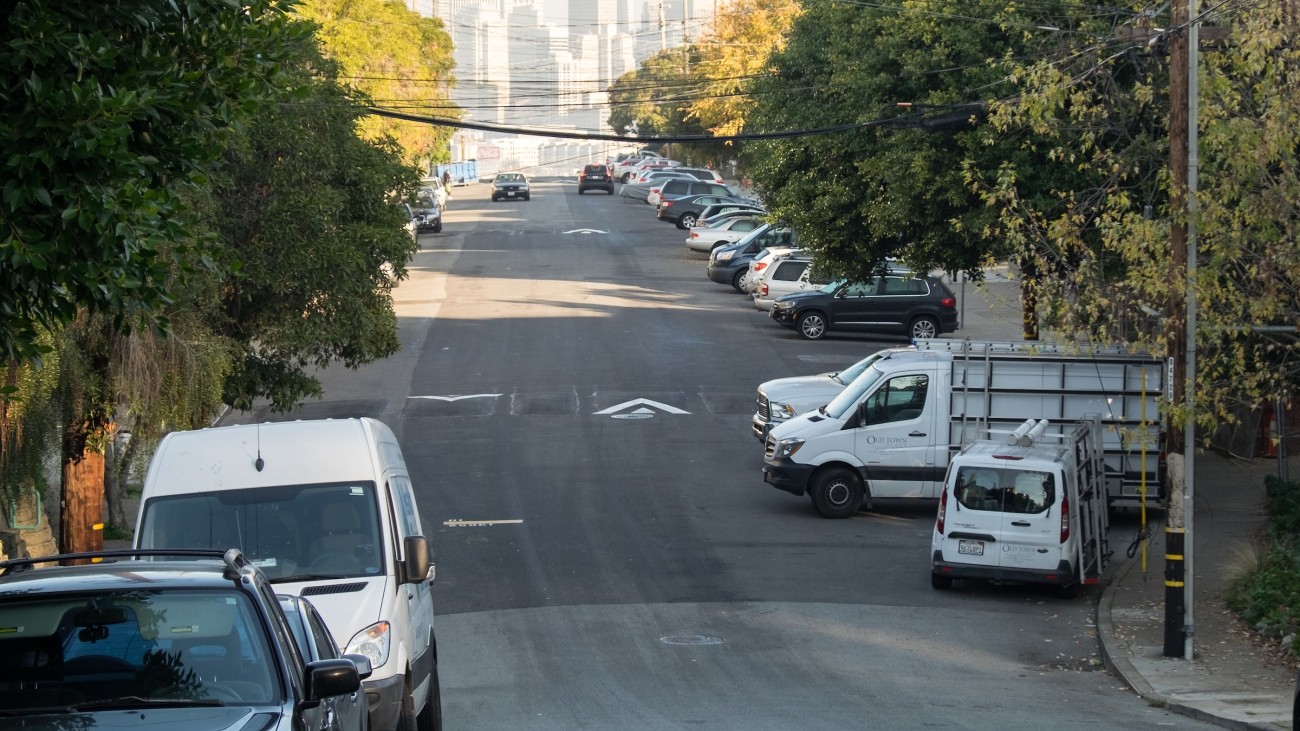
{"x":1031,"y":520}
{"x":896,"y":433}
{"x":418,"y":595}
{"x":973,"y":517}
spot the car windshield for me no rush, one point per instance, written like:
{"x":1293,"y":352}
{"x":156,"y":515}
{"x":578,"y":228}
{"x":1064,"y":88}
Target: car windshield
{"x":830,"y":287}
{"x":292,"y":533}
{"x":850,"y":374}
{"x":128,"y":649}
{"x":509,"y":178}
{"x":424,"y":203}
{"x":848,"y":399}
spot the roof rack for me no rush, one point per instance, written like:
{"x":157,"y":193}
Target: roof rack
{"x":232,"y":557}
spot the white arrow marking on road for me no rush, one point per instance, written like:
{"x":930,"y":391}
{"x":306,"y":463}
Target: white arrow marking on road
{"x":458,"y":398}
{"x":585,"y":231}
{"x":644,"y":402}
{"x":458,"y":523}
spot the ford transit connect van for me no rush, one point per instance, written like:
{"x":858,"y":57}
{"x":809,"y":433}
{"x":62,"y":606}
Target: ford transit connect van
{"x":326,"y":510}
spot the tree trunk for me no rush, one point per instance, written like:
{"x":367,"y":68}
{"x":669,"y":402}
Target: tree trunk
{"x":81,"y":512}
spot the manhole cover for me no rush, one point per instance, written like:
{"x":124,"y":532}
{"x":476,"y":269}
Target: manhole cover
{"x":691,"y":640}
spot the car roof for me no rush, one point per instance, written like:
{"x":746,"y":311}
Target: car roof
{"x":122,"y":575}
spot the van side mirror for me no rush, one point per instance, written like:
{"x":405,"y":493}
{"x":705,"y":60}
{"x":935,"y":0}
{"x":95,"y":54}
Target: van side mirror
{"x":418,"y":565}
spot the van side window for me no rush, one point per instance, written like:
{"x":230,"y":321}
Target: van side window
{"x":408,"y":519}
{"x":901,"y":398}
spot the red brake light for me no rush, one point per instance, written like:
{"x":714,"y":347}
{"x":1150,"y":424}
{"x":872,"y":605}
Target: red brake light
{"x":762,"y":289}
{"x":943,"y":510}
{"x":948,"y":302}
{"x":1065,"y":518}
{"x":667,"y":204}
{"x":760,"y":266}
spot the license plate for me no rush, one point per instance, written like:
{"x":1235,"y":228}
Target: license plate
{"x":970,"y":548}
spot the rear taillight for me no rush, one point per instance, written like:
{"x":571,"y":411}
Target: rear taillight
{"x":760,"y":266}
{"x":667,"y":204}
{"x":943,"y":510}
{"x":1065,"y":518}
{"x":695,"y":234}
{"x":762,"y":289}
{"x":948,"y":302}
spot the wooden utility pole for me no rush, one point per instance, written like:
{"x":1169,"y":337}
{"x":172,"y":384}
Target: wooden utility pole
{"x":1176,"y":537}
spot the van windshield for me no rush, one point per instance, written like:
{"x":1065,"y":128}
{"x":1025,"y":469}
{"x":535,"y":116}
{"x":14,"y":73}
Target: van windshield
{"x":293,"y":533}
{"x":848,"y":399}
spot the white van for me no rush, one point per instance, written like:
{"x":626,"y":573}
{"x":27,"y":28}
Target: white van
{"x":326,"y":510}
{"x":1031,"y":509}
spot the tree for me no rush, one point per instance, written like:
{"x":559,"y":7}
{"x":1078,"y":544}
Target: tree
{"x":1102,"y":110}
{"x":311,"y":240}
{"x":731,"y":55}
{"x":112,"y":110}
{"x":893,"y":186}
{"x":397,"y":58}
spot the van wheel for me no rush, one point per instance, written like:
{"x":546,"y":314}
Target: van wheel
{"x":735,"y":280}
{"x":1068,"y":592}
{"x":430,"y":719}
{"x":940,"y":582}
{"x":812,"y":325}
{"x":407,"y":720}
{"x":837,"y":493}
{"x":924,"y":327}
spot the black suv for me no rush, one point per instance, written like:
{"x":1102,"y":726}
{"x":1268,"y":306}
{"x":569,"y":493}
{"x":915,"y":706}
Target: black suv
{"x":427,"y":215}
{"x":192,"y":639}
{"x":595,"y":177}
{"x":901,"y":303}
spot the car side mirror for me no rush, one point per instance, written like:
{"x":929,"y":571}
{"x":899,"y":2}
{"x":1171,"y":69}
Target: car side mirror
{"x":418,"y":566}
{"x":328,"y":678}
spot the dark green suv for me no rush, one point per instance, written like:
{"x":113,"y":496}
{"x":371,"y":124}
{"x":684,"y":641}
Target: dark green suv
{"x":174,"y":638}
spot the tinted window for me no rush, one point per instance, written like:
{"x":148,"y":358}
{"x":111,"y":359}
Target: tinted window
{"x":898,"y":285}
{"x":1005,"y":490}
{"x":676,"y":187}
{"x":715,"y":189}
{"x":789,"y":271}
{"x":859,"y":289}
{"x":901,"y":398}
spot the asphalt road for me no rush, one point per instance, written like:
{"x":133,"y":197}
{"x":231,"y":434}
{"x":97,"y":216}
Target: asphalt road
{"x":609,"y":563}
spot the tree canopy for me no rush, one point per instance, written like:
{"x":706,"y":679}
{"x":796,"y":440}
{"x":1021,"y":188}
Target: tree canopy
{"x":401,"y":60}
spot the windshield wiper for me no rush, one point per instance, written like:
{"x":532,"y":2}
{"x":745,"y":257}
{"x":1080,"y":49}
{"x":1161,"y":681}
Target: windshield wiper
{"x":135,"y":701}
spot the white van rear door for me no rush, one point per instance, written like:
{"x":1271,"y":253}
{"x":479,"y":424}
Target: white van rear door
{"x":1031,"y":521}
{"x":973,"y":520}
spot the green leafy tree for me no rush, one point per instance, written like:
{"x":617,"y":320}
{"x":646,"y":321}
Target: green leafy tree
{"x":399,"y":59}
{"x":1103,"y":110}
{"x":108,"y":112}
{"x":310,"y":239}
{"x":894,"y":185}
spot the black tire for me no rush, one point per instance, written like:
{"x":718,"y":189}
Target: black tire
{"x":581,"y":191}
{"x":406,"y":718}
{"x":735,"y":280}
{"x":437,"y":227}
{"x":688,"y":220}
{"x":610,"y":191}
{"x":837,"y":493}
{"x":940,"y":582}
{"x":923,"y":327}
{"x":430,"y":719}
{"x":526,"y":197}
{"x":1068,"y":592}
{"x":811,"y":325}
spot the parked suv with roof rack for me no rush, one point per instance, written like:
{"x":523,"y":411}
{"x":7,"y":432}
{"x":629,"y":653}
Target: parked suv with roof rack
{"x":195,"y":639}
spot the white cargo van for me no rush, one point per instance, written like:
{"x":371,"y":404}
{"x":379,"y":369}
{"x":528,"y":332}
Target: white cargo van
{"x":1030,"y":508}
{"x":889,"y":434}
{"x":326,"y":510}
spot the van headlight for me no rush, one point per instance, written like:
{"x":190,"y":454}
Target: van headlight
{"x":787,"y":447}
{"x":725,"y":255}
{"x":373,"y":642}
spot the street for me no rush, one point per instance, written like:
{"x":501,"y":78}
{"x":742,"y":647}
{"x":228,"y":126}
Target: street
{"x":573,"y":400}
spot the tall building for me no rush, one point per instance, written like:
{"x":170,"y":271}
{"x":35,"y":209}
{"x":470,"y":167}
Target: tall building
{"x":592,"y":16}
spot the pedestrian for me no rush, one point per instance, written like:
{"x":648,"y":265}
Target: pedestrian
{"x":446,"y":178}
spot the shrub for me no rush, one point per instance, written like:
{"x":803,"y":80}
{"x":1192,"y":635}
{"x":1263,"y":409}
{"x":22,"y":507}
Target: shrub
{"x":1268,"y":596}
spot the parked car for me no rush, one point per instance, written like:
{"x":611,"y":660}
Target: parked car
{"x":708,"y":238}
{"x":685,"y":212}
{"x":315,"y":643}
{"x":595,"y":177}
{"x":509,"y":186}
{"x":427,"y":214}
{"x":786,"y":275}
{"x":902,"y":303}
{"x":673,"y":189}
{"x":712,"y":214}
{"x":187,"y":639}
{"x":762,"y":260}
{"x":639,"y":188}
{"x":412,"y":225}
{"x":782,"y":399}
{"x":434,"y":188}
{"x":648,"y":165}
{"x":728,"y":264}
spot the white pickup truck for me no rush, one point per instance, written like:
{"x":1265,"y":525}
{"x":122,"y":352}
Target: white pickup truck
{"x":890,"y":432}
